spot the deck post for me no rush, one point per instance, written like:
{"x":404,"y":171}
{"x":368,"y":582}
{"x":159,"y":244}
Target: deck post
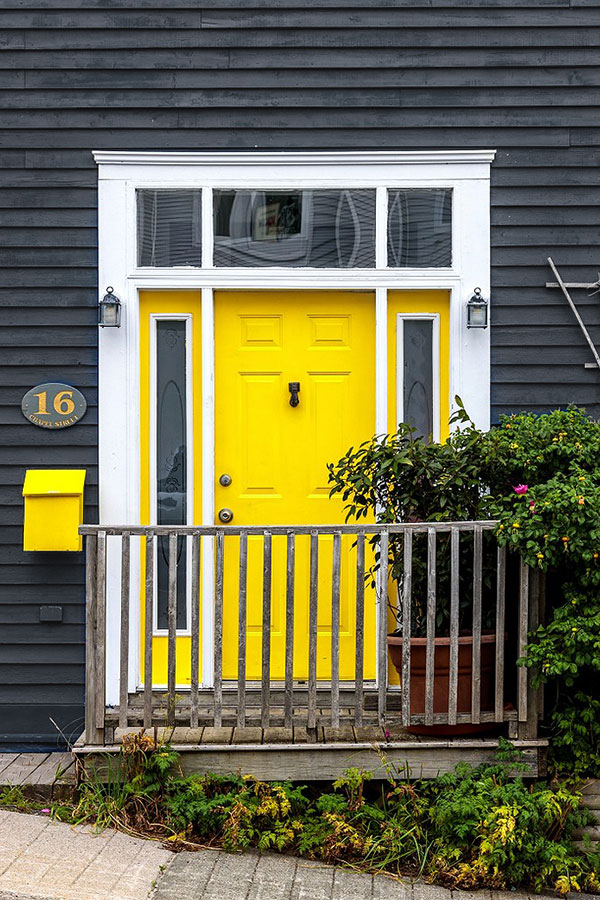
{"x":94,"y":669}
{"x":92,"y":734}
{"x":527,"y":728}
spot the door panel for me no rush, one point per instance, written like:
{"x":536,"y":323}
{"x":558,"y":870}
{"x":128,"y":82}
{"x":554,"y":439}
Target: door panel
{"x":277,"y":454}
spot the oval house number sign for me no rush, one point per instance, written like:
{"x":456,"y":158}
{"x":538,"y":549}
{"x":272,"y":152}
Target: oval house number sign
{"x":53,"y":405}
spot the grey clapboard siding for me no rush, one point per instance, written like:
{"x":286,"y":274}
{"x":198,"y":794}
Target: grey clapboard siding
{"x":522,"y":76}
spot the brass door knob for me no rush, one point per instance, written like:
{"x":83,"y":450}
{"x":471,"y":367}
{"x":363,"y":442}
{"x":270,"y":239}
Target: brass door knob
{"x":225,"y":515}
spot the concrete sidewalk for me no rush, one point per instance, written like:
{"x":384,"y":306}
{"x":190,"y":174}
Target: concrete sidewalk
{"x":45,"y":860}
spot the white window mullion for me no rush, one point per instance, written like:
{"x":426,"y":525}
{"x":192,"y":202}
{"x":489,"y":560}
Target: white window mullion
{"x":207,"y":228}
{"x":381,"y":201}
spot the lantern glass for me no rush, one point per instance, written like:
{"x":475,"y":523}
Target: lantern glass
{"x":477,"y":311}
{"x":109,"y":312}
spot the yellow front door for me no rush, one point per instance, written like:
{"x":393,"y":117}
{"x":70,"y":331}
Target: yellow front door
{"x":276,"y":454}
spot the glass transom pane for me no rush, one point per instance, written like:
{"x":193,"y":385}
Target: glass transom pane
{"x":169,"y":227}
{"x":314,"y":228}
{"x":419,"y":228}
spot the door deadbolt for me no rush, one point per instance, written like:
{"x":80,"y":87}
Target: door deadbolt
{"x":294,"y":389}
{"x":225,"y":480}
{"x":225,"y":515}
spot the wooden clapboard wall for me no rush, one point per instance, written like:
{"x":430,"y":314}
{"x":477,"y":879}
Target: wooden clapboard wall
{"x":522,"y":76}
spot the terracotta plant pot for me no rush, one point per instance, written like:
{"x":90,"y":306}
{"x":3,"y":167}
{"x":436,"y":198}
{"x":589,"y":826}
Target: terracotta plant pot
{"x":441,"y":679}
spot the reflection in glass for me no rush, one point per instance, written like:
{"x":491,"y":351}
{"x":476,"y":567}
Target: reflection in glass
{"x":320,"y":228}
{"x":420,"y":228}
{"x":171,"y":458}
{"x":169,"y":228}
{"x":418,"y":375}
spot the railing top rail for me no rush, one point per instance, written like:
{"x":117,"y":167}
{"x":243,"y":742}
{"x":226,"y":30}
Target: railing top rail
{"x":212,"y":530}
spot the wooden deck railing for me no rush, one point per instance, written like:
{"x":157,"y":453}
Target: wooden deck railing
{"x":266,"y":701}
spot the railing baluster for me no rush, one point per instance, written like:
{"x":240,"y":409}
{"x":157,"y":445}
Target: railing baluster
{"x":289,"y":630}
{"x":382,"y":608}
{"x":454,"y":617}
{"x":124,"y":666}
{"x":522,"y":671}
{"x":91,"y":734}
{"x":360,"y":624}
{"x":265,"y":693}
{"x":148,"y":628}
{"x":243,"y":584}
{"x":172,"y":629}
{"x":313,"y":607}
{"x":477,"y":579}
{"x":100,"y":656}
{"x":406,"y":626}
{"x":500,"y":626}
{"x":195,"y":623}
{"x":218,"y":632}
{"x":335,"y":629}
{"x":431,"y":609}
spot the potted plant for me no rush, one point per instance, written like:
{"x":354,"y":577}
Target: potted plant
{"x":405,"y":478}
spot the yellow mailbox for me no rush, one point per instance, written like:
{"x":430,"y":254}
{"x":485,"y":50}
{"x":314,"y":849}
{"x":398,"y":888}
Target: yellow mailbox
{"x":53,"y":509}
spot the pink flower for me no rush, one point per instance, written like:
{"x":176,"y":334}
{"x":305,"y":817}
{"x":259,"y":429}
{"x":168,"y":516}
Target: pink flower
{"x":387,"y":735}
{"x":45,"y":810}
{"x":521,"y":488}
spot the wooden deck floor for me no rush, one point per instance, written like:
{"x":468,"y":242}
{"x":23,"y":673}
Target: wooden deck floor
{"x":38,"y":774}
{"x":324,"y":754}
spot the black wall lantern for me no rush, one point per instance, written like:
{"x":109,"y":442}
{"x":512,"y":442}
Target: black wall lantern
{"x":109,"y":310}
{"x":477,"y":310}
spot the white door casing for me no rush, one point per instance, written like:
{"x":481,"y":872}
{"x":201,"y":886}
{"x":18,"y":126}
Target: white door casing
{"x":466,"y":172}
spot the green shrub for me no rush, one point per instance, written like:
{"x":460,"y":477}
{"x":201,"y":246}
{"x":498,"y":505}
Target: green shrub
{"x":477,"y":827}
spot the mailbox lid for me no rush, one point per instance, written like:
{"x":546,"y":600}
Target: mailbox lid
{"x":54,"y":482}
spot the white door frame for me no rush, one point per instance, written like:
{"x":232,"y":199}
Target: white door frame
{"x":466,"y":172}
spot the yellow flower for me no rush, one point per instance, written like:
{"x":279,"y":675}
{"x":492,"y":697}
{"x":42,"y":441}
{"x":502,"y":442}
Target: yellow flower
{"x":581,"y":478}
{"x":540,"y":556}
{"x":574,"y":629}
{"x":502,"y":528}
{"x":564,"y":539}
{"x":581,"y":501}
{"x":595,"y":556}
{"x":546,"y":537}
{"x":516,"y":525}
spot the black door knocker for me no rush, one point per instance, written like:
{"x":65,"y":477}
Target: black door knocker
{"x":294,"y":388}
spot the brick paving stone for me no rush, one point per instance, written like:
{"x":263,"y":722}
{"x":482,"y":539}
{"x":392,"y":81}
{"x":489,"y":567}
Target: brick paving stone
{"x":187,"y":875}
{"x":430,"y":892}
{"x":313,"y":881}
{"x":273,"y":878}
{"x":386,"y":888}
{"x":231,"y":877}
{"x":351,"y":886}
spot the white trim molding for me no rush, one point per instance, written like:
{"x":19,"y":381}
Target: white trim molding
{"x":258,"y":158}
{"x":121,"y":174}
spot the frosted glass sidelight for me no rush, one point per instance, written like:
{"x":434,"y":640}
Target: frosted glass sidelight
{"x":417,"y":352}
{"x":419,"y":228}
{"x":169,"y":227}
{"x":314,"y":228}
{"x":171,"y":458}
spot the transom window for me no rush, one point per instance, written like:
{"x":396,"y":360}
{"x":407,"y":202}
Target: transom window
{"x":309,"y":227}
